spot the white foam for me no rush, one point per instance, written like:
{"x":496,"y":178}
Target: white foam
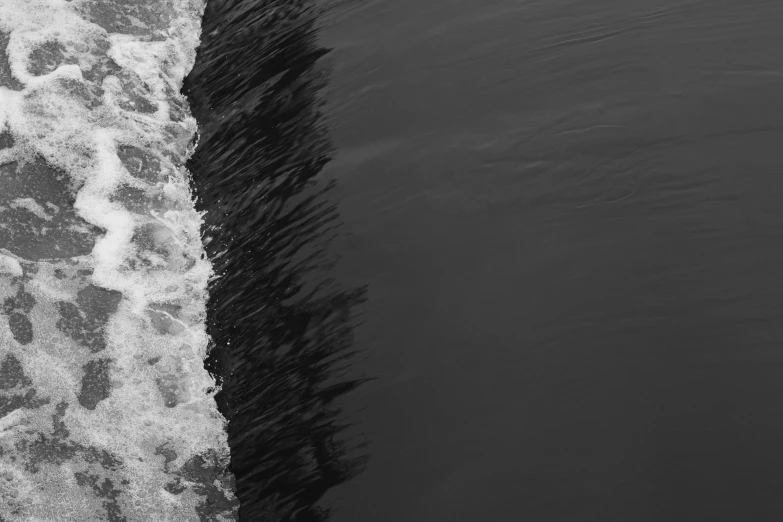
{"x":10,"y":265}
{"x":165,"y":267}
{"x":32,"y":206}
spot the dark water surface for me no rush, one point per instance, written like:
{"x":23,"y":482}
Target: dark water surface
{"x":280,"y":326}
{"x":569,"y":214}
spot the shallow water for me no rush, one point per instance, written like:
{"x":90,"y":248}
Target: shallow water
{"x":569,"y":217}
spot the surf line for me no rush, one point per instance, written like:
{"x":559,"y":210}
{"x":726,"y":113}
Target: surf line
{"x":106,"y":409}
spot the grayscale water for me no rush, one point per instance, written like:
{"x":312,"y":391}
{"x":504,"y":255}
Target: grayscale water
{"x":570,"y":216}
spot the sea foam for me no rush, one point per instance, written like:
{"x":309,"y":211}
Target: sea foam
{"x":106,"y":410}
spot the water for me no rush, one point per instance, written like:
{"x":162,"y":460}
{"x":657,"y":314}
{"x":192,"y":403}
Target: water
{"x":106,"y":409}
{"x":281,"y":328}
{"x":566,"y":213}
{"x":569,"y":217}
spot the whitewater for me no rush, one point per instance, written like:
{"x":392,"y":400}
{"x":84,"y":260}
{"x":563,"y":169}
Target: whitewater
{"x":106,"y":410}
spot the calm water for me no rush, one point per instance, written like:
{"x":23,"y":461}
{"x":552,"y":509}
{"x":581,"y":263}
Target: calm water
{"x":569,"y":213}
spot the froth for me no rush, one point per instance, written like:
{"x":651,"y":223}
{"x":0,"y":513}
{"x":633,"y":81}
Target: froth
{"x":104,"y":275}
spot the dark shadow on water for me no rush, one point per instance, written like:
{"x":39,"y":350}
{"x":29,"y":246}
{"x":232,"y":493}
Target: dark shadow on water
{"x":282,"y":329}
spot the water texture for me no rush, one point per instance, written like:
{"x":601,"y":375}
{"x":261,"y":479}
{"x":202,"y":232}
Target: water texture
{"x":281,"y":326}
{"x":568,"y":213}
{"x":106,"y":410}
